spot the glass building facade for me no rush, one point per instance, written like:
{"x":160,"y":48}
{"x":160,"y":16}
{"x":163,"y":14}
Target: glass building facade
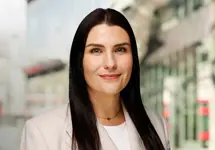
{"x":171,"y":83}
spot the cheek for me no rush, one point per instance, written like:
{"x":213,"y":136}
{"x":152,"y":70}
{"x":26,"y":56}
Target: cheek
{"x":127,"y":64}
{"x":90,"y":66}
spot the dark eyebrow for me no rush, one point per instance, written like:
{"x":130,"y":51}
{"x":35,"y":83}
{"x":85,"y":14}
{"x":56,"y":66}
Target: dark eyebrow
{"x":100,"y":45}
{"x":122,"y":44}
{"x":95,"y":45}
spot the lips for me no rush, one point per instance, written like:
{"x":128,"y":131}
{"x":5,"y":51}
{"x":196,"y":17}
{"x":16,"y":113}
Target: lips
{"x":110,"y":76}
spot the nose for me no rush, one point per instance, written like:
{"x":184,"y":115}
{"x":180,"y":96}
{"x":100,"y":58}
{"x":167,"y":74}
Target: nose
{"x":110,"y":62}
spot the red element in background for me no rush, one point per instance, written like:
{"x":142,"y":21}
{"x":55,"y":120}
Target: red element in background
{"x":204,"y":136}
{"x":203,"y":110}
{"x":166,"y":114}
{"x":34,"y":69}
{"x":202,"y":101}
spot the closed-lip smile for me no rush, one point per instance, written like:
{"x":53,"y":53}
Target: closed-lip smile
{"x":109,"y":76}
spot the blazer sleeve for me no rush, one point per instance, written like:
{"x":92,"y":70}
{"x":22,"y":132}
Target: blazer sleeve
{"x":160,"y":126}
{"x":32,"y":138}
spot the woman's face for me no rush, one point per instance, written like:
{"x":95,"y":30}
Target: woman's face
{"x":107,"y":61}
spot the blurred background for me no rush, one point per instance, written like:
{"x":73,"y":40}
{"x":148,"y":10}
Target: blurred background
{"x":176,"y":43}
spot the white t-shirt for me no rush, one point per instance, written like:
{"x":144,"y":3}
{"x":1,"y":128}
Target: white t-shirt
{"x":119,"y":135}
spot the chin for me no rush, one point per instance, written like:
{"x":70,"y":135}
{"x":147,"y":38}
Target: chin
{"x":111,"y":91}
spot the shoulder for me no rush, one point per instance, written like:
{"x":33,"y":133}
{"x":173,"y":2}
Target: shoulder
{"x":44,"y":131}
{"x":52,"y":116}
{"x":49,"y":122}
{"x":155,"y":118}
{"x":159,"y":124}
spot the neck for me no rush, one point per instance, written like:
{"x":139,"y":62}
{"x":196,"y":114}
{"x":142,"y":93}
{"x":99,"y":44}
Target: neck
{"x":105,"y":105}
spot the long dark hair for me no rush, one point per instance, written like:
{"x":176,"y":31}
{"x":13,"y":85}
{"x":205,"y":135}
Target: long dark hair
{"x":84,"y":122}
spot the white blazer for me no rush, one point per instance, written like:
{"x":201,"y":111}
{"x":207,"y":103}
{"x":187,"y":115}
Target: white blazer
{"x":53,"y":131}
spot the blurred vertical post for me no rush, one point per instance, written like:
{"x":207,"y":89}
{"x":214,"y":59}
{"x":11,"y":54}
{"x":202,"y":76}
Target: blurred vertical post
{"x":212,"y":104}
{"x":211,"y":108}
{"x":206,"y":92}
{"x":210,"y":46}
{"x":13,"y":28}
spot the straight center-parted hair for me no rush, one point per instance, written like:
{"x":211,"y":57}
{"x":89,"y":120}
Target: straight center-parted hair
{"x":84,"y":121}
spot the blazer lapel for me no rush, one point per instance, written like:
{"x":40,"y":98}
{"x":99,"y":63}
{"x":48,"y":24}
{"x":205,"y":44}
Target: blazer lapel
{"x":106,"y":142}
{"x":134,"y":138}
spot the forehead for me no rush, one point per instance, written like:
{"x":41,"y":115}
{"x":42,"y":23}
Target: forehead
{"x":106,"y":34}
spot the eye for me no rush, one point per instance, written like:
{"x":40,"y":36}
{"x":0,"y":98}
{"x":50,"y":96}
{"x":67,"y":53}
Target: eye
{"x":121,"y":50}
{"x":95,"y":50}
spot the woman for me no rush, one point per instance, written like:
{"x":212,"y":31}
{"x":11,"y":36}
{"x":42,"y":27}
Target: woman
{"x":105,"y":109}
